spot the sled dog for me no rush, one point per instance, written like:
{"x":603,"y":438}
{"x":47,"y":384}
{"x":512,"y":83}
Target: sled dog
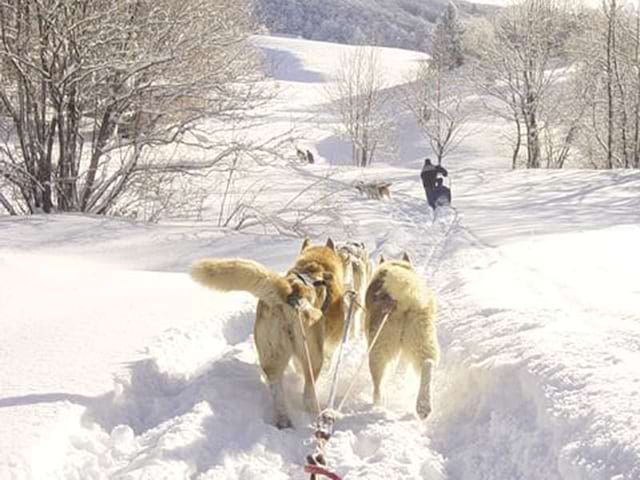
{"x":376,"y":190}
{"x":313,"y":288}
{"x":396,"y":289}
{"x":358,"y":269}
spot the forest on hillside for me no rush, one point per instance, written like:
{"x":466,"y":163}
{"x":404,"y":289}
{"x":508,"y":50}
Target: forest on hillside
{"x":390,"y":23}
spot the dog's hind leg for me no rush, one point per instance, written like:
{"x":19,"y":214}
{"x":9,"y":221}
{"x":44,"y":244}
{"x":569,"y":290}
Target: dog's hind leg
{"x":420,"y":344}
{"x":383,"y":352}
{"x":281,"y":417}
{"x":274,"y":348}
{"x":377,"y":365}
{"x":423,"y":404}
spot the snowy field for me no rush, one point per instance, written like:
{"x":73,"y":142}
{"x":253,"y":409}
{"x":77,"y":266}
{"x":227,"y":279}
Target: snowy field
{"x":115,"y":365}
{"x":504,"y":3}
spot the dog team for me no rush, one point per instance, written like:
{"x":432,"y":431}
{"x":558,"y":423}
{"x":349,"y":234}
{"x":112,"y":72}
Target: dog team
{"x":300,"y":315}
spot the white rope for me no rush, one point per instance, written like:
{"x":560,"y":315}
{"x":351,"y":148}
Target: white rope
{"x":442,"y":241}
{"x":309,"y":365}
{"x":345,"y":335}
{"x":364,"y":359}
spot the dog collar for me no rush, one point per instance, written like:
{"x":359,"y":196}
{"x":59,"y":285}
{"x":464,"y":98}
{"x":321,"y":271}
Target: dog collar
{"x":305,"y":278}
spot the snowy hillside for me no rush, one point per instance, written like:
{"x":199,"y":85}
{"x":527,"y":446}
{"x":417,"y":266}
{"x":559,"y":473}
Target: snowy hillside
{"x":391,"y":23}
{"x":115,"y":364}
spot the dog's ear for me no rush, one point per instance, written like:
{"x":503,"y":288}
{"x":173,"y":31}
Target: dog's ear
{"x":305,"y":244}
{"x":406,"y":258}
{"x":381,"y":260}
{"x":330,"y":244}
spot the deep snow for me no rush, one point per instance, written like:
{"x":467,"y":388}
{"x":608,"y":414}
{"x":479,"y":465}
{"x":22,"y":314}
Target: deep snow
{"x":116,"y":365}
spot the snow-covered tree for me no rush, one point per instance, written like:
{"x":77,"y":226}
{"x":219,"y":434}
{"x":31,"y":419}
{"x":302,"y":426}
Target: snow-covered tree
{"x":607,"y":70}
{"x":89,"y":87}
{"x":396,"y":23}
{"x":436,"y":101}
{"x":447,"y":48}
{"x":517,"y":69}
{"x":359,"y":97}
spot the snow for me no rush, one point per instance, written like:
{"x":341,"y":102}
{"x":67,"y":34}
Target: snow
{"x":116,"y":365}
{"x":506,"y":3}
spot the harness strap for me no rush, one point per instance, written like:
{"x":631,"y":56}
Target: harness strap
{"x":364,"y":359}
{"x":319,"y":470}
{"x":309,"y":365}
{"x":305,"y":278}
{"x":345,"y":335}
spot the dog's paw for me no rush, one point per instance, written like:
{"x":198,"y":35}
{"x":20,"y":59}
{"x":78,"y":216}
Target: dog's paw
{"x":310,"y":404}
{"x":283,"y":421}
{"x":423,"y":408}
{"x":378,"y":398}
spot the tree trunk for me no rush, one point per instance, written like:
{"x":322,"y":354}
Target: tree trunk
{"x":609,"y":63}
{"x":7,"y":205}
{"x":533,"y":141}
{"x":516,"y":148}
{"x":636,"y":110}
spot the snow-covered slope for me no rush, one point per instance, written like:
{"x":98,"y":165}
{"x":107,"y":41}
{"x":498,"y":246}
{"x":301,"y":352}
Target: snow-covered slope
{"x":116,"y":365}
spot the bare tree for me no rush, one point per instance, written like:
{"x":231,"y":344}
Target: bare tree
{"x":607,"y":59}
{"x":436,"y":101}
{"x":91,"y":86}
{"x":359,"y":96}
{"x":516,"y":67}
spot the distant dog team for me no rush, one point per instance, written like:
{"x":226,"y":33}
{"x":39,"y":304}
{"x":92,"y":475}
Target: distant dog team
{"x":312,"y":295}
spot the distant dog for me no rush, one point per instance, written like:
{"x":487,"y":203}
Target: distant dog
{"x":397,"y":290}
{"x":313,"y":288}
{"x":376,"y":190}
{"x":358,"y":269}
{"x":383,"y":190}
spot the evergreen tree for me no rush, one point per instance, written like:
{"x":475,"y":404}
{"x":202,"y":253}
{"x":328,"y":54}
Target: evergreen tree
{"x":447,"y":39}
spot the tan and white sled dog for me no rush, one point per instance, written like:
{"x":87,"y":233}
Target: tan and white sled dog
{"x":313,"y":288}
{"x":357,"y":272}
{"x":409,"y":331}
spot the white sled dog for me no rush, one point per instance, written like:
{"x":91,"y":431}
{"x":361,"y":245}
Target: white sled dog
{"x":357,"y":272}
{"x":313,"y":288}
{"x":397,"y":290}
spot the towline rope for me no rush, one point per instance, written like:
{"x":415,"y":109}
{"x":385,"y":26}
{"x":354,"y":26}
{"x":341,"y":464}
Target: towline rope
{"x":316,"y":462}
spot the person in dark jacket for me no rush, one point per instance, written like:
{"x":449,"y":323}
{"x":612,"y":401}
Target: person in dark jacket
{"x":429,"y":174}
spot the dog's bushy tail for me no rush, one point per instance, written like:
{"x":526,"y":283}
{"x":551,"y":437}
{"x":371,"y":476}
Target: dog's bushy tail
{"x":244,"y":275}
